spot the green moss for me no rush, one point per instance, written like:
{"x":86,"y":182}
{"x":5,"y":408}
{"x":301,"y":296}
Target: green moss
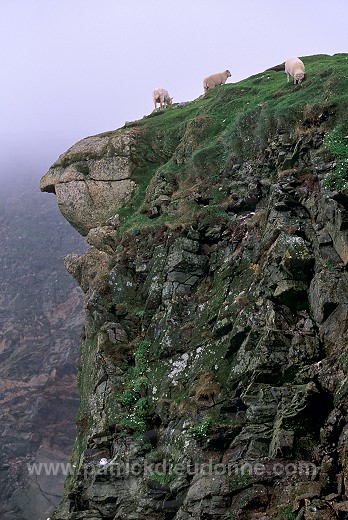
{"x":220,"y":286}
{"x":208,"y":161}
{"x":286,"y":514}
{"x":86,"y":382}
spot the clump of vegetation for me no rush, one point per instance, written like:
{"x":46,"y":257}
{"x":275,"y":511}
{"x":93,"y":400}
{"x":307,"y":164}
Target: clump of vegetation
{"x":203,"y":428}
{"x":163,"y":478}
{"x":133,"y":397}
{"x":336,"y":142}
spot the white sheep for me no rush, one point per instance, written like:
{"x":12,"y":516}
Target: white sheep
{"x":216,"y":79}
{"x":294,"y":67}
{"x":161,"y":96}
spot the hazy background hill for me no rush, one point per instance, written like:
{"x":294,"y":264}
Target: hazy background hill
{"x":40,"y":323}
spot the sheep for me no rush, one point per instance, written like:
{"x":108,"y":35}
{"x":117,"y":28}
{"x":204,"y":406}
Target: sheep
{"x":294,"y":67}
{"x":161,"y":96}
{"x":215,"y":79}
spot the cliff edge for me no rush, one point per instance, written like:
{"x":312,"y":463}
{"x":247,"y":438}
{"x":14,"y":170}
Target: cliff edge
{"x":213,"y":375}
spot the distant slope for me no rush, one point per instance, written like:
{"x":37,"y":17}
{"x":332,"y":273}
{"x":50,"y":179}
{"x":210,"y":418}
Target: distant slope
{"x":40,"y":323}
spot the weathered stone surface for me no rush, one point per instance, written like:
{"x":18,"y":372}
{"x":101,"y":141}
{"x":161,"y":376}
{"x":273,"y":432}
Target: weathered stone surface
{"x":327,"y":291}
{"x":215,"y":350}
{"x":87,"y":203}
{"x":92,"y":179}
{"x":102,"y":238}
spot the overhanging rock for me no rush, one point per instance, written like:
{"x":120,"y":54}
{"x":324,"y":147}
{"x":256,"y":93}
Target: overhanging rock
{"x":92,"y":179}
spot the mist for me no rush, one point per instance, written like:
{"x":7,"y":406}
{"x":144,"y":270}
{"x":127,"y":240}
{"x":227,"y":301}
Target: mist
{"x":74,"y":69}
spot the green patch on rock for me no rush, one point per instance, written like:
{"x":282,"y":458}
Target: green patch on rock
{"x":133,"y":395}
{"x":336,"y":142}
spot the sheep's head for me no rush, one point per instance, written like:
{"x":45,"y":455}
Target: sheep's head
{"x":299,"y":76}
{"x":228,"y":74}
{"x":170,"y":101}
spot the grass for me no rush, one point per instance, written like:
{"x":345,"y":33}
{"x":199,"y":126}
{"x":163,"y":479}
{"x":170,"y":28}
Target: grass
{"x":189,"y":143}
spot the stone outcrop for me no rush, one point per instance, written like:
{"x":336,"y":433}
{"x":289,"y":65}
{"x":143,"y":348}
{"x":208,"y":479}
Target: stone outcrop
{"x":92,"y":179}
{"x":213,"y":375}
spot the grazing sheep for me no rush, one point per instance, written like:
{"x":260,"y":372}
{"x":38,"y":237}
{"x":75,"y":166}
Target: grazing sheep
{"x":215,"y":79}
{"x":294,"y":67}
{"x":161,"y":96}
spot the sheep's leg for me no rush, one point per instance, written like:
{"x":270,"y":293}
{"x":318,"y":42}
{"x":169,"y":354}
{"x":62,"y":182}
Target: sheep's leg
{"x":288,"y":75}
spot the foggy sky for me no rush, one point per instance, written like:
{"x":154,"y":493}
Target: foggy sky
{"x":73,"y":68}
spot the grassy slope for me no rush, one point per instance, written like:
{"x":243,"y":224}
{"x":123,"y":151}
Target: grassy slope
{"x":238,"y":119}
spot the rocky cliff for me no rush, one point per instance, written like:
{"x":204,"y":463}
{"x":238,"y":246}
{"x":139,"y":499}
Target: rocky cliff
{"x":213,"y":377}
{"x":41,"y":320}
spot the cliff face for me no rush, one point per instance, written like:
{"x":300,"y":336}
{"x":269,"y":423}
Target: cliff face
{"x":213,"y":376}
{"x":41,"y":320}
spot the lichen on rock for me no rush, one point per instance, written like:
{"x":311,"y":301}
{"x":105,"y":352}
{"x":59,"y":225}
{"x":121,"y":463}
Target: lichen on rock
{"x":213,"y":365}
